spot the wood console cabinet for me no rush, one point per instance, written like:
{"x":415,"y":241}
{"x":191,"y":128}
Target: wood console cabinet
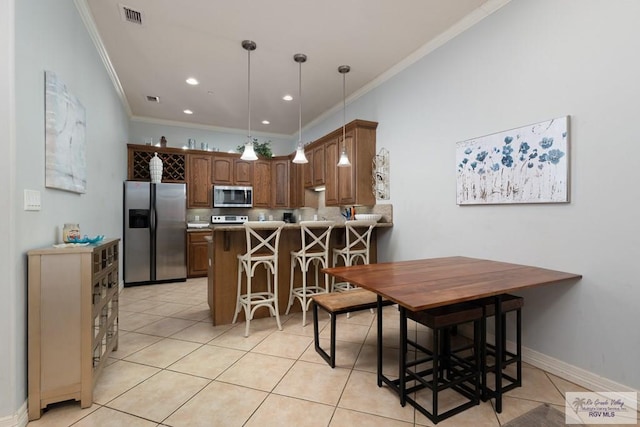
{"x":72,"y":321}
{"x":197,"y":262}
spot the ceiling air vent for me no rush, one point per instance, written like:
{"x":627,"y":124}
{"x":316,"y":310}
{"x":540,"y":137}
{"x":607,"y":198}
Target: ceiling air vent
{"x":130,"y":15}
{"x":153,"y":99}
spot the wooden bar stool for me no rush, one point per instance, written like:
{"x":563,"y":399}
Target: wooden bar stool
{"x":315,"y":237}
{"x":263,"y":238}
{"x":336,"y":303}
{"x":355,"y":251}
{"x":449,"y":369}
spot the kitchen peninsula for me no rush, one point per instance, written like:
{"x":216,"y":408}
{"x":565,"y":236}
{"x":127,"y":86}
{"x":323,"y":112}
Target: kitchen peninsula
{"x":228,"y":241}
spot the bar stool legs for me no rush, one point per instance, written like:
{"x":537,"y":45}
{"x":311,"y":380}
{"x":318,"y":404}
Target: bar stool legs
{"x":263,"y":238}
{"x":314,"y":253}
{"x":448,"y":368}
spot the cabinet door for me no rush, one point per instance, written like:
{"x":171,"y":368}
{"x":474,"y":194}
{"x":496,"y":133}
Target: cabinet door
{"x":308,"y":169}
{"x":331,"y":155}
{"x":243,"y":172}
{"x":198,"y":260}
{"x":280,"y":183}
{"x":318,"y":166}
{"x":296,"y":185}
{"x":223,"y":170}
{"x":262,"y":184}
{"x":346,"y":174}
{"x":199,"y":181}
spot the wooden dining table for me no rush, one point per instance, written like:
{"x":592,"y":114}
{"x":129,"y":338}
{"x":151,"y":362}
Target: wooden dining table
{"x":428,"y":283}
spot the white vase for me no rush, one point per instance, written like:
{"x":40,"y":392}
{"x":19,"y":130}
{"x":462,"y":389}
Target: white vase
{"x":155,"y":169}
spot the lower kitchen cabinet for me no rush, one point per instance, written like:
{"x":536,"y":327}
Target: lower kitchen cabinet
{"x":72,"y":321}
{"x":197,"y":256}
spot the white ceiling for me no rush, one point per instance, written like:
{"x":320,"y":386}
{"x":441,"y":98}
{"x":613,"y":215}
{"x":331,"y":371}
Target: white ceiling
{"x":202,"y":39}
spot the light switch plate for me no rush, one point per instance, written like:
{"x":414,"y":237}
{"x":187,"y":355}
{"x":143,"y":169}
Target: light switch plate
{"x":32,"y":200}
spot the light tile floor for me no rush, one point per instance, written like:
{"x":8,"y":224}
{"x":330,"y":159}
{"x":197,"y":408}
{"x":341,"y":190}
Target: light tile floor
{"x":173,"y":368}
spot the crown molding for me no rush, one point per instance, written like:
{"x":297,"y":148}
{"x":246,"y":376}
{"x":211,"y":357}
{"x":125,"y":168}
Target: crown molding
{"x":90,"y":25}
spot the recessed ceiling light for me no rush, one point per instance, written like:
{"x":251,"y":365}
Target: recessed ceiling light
{"x":266,"y":122}
{"x":192,"y":81}
{"x":188,"y":112}
{"x":287,"y":97}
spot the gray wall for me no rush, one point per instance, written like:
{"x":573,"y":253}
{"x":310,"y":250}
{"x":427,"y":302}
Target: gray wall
{"x":8,"y":310}
{"x":530,"y":61}
{"x":222,"y":140}
{"x":51,"y":36}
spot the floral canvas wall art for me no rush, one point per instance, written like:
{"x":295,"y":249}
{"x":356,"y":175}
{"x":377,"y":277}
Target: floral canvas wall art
{"x":529,"y":164}
{"x":65,"y":164}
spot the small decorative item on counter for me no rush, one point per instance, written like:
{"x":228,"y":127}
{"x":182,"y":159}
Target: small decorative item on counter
{"x":192,"y":144}
{"x":87,"y":239}
{"x":155,"y":169}
{"x":163,"y":142}
{"x":349,"y":213}
{"x":70,"y":232}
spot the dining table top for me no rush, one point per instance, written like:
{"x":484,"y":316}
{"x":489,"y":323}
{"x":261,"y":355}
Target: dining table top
{"x":427,"y":283}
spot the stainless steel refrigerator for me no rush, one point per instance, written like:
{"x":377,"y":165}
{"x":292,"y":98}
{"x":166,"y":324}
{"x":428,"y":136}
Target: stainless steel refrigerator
{"x":154,"y":233}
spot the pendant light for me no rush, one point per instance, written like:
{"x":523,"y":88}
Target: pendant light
{"x":249,"y":153}
{"x":344,"y":159}
{"x":300,"y":156}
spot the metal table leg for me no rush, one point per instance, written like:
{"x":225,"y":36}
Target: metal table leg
{"x":499,"y":351}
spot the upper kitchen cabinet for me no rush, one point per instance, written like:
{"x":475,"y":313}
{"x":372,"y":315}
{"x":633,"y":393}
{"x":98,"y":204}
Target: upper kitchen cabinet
{"x":332,"y":154}
{"x":223,"y":169}
{"x":262,"y":183}
{"x":351,"y":185}
{"x":308,"y":168}
{"x":296,"y":184}
{"x":280,"y":182}
{"x":242,"y":172}
{"x":314,"y":175}
{"x":199,"y":180}
{"x":229,"y":169}
{"x":173,"y":163}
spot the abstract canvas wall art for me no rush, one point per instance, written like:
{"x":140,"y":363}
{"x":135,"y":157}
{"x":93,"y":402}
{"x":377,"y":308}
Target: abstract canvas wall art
{"x":65,"y":121}
{"x":529,"y":164}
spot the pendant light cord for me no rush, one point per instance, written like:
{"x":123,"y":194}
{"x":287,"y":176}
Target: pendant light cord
{"x":300,"y":104}
{"x":344,"y":111}
{"x":249,"y":90}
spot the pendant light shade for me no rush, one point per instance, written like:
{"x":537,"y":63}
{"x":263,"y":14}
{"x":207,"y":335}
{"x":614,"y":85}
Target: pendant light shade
{"x":300,"y":156}
{"x":249,"y":153}
{"x":344,"y":159}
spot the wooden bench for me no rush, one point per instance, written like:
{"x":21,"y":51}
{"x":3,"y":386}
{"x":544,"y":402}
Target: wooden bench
{"x":336,"y":303}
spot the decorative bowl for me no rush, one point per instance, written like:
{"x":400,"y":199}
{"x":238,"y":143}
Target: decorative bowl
{"x":369,"y":217}
{"x":86,"y":239}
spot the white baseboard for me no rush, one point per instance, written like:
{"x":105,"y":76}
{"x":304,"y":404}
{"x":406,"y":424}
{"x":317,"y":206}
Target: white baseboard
{"x":19,"y":419}
{"x":566,"y":371}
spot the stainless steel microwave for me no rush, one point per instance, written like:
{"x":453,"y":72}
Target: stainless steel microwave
{"x":232,"y":196}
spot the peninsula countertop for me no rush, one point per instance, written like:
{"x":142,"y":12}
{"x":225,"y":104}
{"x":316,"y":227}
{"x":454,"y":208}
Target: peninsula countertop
{"x":288,"y":226}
